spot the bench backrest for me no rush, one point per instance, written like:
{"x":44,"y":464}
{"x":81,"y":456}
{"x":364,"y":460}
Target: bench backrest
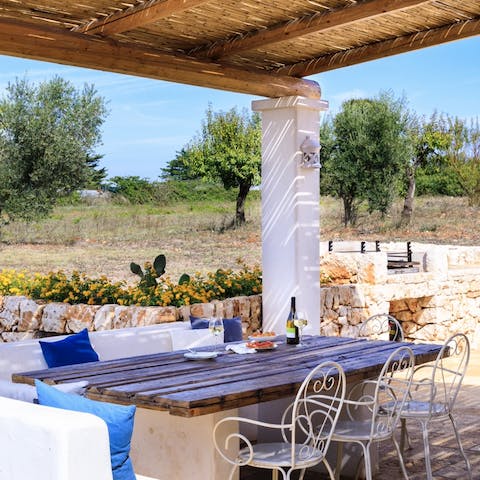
{"x":26,"y":355}
{"x":45,"y":443}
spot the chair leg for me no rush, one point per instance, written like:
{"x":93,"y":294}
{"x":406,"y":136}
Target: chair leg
{"x":232,"y":471}
{"x":274,"y":474}
{"x":329,"y":469}
{"x":404,"y":436}
{"x":302,"y":473}
{"x":359,"y":468}
{"x":368,"y":461}
{"x":338,"y":466}
{"x":400,"y":457}
{"x":460,"y":446}
{"x":426,"y":448}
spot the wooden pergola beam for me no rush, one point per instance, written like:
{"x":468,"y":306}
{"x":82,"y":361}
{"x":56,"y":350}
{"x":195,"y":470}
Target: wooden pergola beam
{"x":318,"y":22}
{"x":137,"y":16}
{"x":22,"y":39}
{"x":406,"y":43}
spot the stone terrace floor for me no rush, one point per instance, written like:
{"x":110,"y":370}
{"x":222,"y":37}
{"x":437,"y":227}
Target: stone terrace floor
{"x":447,"y":463}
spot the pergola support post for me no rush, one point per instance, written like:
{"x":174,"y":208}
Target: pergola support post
{"x":290,"y":211}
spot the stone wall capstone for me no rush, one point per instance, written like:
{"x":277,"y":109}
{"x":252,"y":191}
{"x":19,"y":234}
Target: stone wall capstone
{"x":22,"y":318}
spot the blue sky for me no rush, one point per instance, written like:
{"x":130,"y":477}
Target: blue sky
{"x":149,"y":120}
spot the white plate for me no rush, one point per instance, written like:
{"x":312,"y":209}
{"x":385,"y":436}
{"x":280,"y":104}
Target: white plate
{"x":200,"y":355}
{"x":263,"y":339}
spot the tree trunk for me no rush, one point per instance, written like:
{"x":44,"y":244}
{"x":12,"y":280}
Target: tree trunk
{"x":409,"y":198}
{"x":349,"y":212}
{"x":241,"y":197}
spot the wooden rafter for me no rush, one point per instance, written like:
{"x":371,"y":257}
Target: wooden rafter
{"x":134,"y":17}
{"x":306,"y":25}
{"x":406,"y":43}
{"x":70,"y":48}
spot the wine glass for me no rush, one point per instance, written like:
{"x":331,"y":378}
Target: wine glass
{"x":215,"y":325}
{"x":301,"y":322}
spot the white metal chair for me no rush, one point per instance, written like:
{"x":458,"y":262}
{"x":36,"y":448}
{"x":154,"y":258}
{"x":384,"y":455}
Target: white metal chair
{"x":382,"y":326}
{"x":304,"y":431}
{"x":367,"y":421}
{"x":434,"y":390}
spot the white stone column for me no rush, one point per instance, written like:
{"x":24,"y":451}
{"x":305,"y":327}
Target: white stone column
{"x":290,"y":211}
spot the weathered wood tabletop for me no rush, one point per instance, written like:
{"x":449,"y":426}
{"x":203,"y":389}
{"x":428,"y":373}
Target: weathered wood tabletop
{"x":168,"y":381}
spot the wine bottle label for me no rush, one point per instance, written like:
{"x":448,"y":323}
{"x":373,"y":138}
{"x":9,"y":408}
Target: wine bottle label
{"x":291,"y":332}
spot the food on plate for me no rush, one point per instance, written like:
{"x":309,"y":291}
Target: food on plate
{"x":263,"y":334}
{"x":261,"y":345}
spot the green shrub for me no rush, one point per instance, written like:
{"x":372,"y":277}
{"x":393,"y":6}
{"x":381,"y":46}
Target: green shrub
{"x":78,"y":288}
{"x":134,"y":189}
{"x":192,"y":191}
{"x":444,"y":182}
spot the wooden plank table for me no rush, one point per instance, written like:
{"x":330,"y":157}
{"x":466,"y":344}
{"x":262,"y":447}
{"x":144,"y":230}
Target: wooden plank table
{"x":168,"y":381}
{"x":202,"y":392}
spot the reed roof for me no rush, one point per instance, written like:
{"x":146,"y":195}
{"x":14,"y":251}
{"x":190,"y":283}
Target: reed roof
{"x":258,"y":47}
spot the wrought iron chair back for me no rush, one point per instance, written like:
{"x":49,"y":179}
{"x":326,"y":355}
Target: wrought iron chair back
{"x":373,"y":408}
{"x":305,"y":428}
{"x":435,"y":388}
{"x":382,"y":326}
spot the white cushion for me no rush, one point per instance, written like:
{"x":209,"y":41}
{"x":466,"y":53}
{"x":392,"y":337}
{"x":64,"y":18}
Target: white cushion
{"x":183,"y":339}
{"x":28,"y":393}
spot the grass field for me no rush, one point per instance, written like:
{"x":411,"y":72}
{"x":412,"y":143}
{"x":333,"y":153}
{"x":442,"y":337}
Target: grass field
{"x":102,"y":239}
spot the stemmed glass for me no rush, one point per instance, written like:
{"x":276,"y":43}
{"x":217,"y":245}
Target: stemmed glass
{"x":301,"y":322}
{"x":215,"y":325}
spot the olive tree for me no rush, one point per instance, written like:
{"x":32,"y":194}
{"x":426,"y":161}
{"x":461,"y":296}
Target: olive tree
{"x":47,"y":138}
{"x":227,"y":149}
{"x":367,"y":149}
{"x":463,"y":154}
{"x":429,"y":144}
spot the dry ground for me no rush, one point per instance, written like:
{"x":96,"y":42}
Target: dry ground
{"x":103,"y":239}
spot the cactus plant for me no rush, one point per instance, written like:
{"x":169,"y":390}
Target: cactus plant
{"x":148,"y":278}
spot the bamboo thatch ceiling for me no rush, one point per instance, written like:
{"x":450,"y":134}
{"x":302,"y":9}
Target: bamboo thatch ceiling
{"x":251,"y":46}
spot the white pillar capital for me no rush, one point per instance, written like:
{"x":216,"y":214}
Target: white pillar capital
{"x":289,"y":102}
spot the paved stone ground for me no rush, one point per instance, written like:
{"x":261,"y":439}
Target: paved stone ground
{"x":447,"y":463}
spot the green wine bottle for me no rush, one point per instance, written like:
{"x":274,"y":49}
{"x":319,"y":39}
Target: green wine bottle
{"x":292,"y":330}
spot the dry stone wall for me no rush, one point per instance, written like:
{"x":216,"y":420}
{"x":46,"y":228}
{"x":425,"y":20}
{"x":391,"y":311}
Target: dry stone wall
{"x":22,"y":318}
{"x":441,"y":299}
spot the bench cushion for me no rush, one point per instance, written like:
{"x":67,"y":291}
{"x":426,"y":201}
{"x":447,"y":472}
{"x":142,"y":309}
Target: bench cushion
{"x":28,"y":393}
{"x":74,"y":349}
{"x":119,"y":420}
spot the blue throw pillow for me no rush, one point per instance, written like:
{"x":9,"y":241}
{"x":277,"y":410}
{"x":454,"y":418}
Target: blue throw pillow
{"x":73,"y":349}
{"x":198,"y":323}
{"x":119,"y":420}
{"x":232,"y":327}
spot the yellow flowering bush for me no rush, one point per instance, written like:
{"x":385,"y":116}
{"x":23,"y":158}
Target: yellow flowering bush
{"x":78,"y":288}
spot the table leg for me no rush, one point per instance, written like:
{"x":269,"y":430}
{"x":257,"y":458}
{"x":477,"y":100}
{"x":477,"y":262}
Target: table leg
{"x":165,"y":446}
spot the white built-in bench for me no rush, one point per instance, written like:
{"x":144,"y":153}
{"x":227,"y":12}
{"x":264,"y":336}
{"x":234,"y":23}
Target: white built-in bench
{"x":26,"y":355}
{"x":44,"y":443}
